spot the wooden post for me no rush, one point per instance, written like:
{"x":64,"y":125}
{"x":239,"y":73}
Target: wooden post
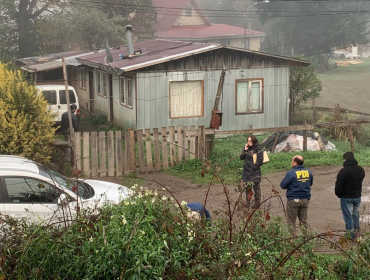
{"x":149,"y":158}
{"x":140,"y":146}
{"x":172,"y":146}
{"x":251,"y":129}
{"x":132,"y":151}
{"x":86,"y":154}
{"x":94,"y":154}
{"x":157,"y":150}
{"x":164,"y":148}
{"x":276,"y":139}
{"x":180,"y":143}
{"x":192,"y":144}
{"x":305,"y":140}
{"x":201,"y":141}
{"x":314,"y":111}
{"x":127,"y":163}
{"x":118,"y":153}
{"x":351,"y":138}
{"x":103,"y":155}
{"x":218,"y":94}
{"x":71,"y":134}
{"x":111,"y":154}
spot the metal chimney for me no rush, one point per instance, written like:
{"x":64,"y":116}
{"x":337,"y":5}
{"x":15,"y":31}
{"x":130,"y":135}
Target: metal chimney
{"x":130,"y":40}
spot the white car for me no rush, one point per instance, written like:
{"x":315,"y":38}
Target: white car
{"x":28,"y":189}
{"x":55,"y":95}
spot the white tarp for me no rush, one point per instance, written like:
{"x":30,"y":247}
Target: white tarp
{"x":295,"y":143}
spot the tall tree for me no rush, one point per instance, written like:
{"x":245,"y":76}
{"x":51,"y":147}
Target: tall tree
{"x":313,"y":28}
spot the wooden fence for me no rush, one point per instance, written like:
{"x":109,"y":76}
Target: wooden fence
{"x":101,"y":154}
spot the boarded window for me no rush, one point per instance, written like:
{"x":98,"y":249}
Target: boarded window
{"x":249,"y":97}
{"x":126,"y":91}
{"x":186,"y":99}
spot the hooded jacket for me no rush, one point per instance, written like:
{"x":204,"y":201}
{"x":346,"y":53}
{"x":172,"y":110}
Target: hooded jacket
{"x":251,"y":170}
{"x":298,"y":182}
{"x":65,"y":122}
{"x":349,"y":180}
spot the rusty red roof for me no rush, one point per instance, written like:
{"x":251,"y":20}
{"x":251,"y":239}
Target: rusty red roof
{"x":160,"y":51}
{"x":206,"y":31}
{"x":153,"y":52}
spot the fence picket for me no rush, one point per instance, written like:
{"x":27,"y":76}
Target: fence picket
{"x":157,"y":149}
{"x":140,"y":146}
{"x":94,"y":154}
{"x":180,"y":143}
{"x":201,"y":141}
{"x":78,"y":150}
{"x":172,"y":146}
{"x":164,"y":148}
{"x":132,"y":151}
{"x":118,"y":153}
{"x":127,"y":154}
{"x":186,"y":144}
{"x":110,"y":154}
{"x":86,"y":153}
{"x":192,"y":144}
{"x":103,"y":155}
{"x":149,"y":158}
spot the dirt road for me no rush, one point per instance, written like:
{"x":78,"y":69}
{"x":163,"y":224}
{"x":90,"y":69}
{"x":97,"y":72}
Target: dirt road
{"x":324,"y":209}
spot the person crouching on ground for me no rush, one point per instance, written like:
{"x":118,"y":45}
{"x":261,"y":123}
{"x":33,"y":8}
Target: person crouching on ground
{"x":251,"y":169}
{"x":348,"y":188}
{"x":297,"y":182}
{"x":197,"y":210}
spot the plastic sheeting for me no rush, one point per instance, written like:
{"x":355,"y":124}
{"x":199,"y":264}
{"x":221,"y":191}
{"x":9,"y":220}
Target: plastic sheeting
{"x":290,"y":141}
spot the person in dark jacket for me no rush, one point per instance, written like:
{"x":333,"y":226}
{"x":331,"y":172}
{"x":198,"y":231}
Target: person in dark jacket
{"x":65,"y":121}
{"x":252,"y":168}
{"x":348,"y":188}
{"x":297,"y":182}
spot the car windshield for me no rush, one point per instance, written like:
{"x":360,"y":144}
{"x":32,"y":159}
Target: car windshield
{"x":70,"y":184}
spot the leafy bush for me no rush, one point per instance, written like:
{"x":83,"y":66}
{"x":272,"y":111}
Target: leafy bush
{"x":150,"y":236}
{"x":26,"y":122}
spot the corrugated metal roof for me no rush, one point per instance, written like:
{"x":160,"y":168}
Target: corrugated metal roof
{"x":160,"y":51}
{"x":206,"y":32}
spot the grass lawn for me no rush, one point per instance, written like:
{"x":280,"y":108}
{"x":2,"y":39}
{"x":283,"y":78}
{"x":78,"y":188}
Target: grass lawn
{"x":347,"y":73}
{"x":231,"y":147}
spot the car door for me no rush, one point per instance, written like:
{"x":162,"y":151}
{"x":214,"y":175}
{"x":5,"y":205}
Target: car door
{"x":1,"y":198}
{"x":51,"y":97}
{"x":26,"y":197}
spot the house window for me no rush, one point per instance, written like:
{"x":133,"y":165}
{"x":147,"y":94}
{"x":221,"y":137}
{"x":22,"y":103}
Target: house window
{"x":186,"y":99}
{"x":188,"y":11}
{"x":126,"y":91}
{"x":102,"y":83}
{"x":249,"y":96}
{"x":82,"y":78}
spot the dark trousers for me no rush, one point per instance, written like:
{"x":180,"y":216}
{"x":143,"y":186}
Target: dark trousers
{"x":256,"y":191}
{"x":297,"y":208}
{"x":350,"y":210}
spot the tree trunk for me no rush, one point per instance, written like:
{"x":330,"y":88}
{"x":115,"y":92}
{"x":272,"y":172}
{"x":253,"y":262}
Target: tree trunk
{"x":23,"y":23}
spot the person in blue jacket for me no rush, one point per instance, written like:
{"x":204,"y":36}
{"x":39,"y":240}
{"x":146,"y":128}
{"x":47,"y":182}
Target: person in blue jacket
{"x":199,"y":208}
{"x":297,"y":182}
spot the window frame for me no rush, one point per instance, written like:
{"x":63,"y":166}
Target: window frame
{"x":101,"y":85}
{"x":202,"y":100}
{"x":261,"y":81}
{"x":82,"y":78}
{"x":6,"y":199}
{"x":122,"y":100}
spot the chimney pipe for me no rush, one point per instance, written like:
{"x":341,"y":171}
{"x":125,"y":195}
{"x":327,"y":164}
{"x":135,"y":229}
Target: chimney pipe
{"x":130,"y":40}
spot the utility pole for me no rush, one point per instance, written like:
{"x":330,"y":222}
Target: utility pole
{"x":71,"y":131}
{"x":245,"y":20}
